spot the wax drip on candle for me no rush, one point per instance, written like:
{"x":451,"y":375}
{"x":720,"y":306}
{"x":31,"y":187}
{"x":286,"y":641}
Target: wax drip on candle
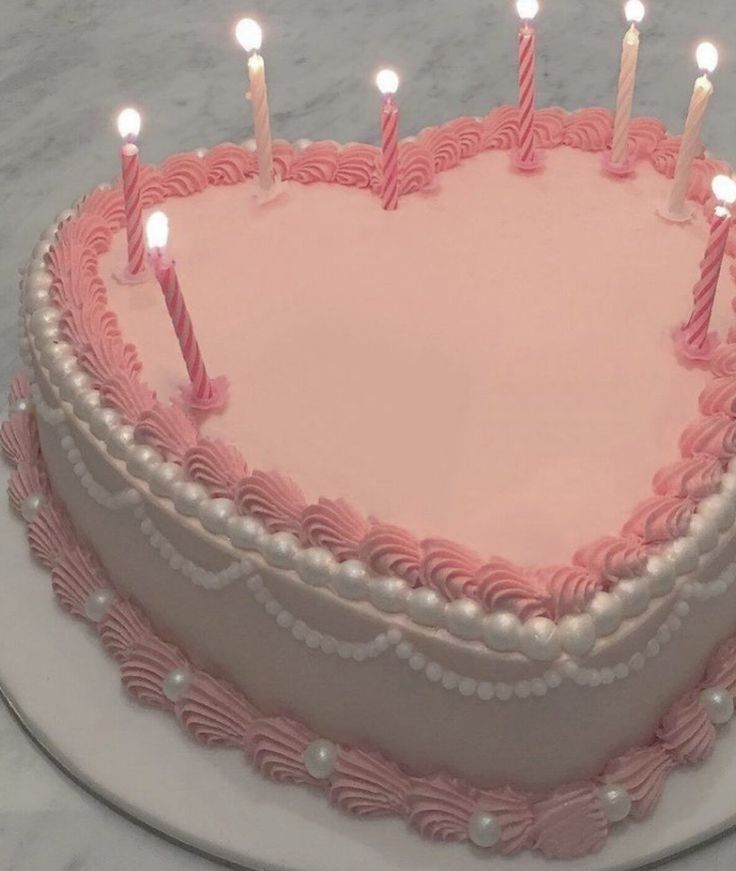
{"x":617,"y":161}
{"x":676,"y":208}
{"x":250,"y":36}
{"x":693,"y":342}
{"x":202,"y":394}
{"x":525,"y":157}
{"x":387,"y":82}
{"x":133,"y":271}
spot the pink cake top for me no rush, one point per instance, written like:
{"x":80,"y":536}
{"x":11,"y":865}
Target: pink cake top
{"x":464,"y":368}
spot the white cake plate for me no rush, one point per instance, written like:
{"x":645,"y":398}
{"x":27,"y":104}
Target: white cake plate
{"x":66,"y":691}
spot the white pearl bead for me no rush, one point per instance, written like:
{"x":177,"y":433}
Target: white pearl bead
{"x":163,"y":477}
{"x":607,"y":612}
{"x":97,"y":604}
{"x":684,"y":551}
{"x":37,"y":278}
{"x":425,"y":606}
{"x":73,"y":383}
{"x":463,"y":618}
{"x":719,"y":508}
{"x":633,"y":595}
{"x":705,"y":532}
{"x":388,"y":594}
{"x":102,"y":421}
{"x":42,"y":318}
{"x":61,"y":368}
{"x":616,"y":802}
{"x":320,"y":758}
{"x":55,"y":352}
{"x":142,"y":459}
{"x":577,"y":634}
{"x":280,"y":549}
{"x":214,"y":514}
{"x":36,"y":297}
{"x":661,"y":574}
{"x":119,"y":441}
{"x":31,"y":505}
{"x":175,"y":684}
{"x":187,"y":495}
{"x":22,"y":405}
{"x":539,"y":639}
{"x":245,"y":532}
{"x":718,"y":704}
{"x":315,"y":565}
{"x":351,"y":580}
{"x":86,"y":403}
{"x":484,"y":829}
{"x":501,"y":631}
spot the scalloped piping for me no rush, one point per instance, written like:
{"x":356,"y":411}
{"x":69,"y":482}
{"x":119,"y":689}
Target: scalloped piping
{"x":569,"y":821}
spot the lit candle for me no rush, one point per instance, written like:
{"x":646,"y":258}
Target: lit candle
{"x":618,"y":159}
{"x":525,"y":157}
{"x":387,"y":83}
{"x":134,"y":271}
{"x":203,"y":394}
{"x":692,"y":338}
{"x":249,"y":35}
{"x":707,"y":60}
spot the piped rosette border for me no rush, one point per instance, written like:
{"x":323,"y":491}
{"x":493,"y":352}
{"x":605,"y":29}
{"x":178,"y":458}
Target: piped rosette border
{"x":572,"y":820}
{"x":441,"y":582}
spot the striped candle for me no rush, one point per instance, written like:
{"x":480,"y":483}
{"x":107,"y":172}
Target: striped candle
{"x":388,"y":83}
{"x":619,"y":157}
{"x":202,"y":394}
{"x":525,"y":157}
{"x":693,"y":339}
{"x":134,"y":270}
{"x":249,"y":35}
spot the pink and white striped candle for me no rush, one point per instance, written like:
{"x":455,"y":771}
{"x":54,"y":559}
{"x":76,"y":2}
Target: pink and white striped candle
{"x":250,"y":36}
{"x":525,"y":157}
{"x":693,"y":340}
{"x":618,"y":158}
{"x":129,"y":126}
{"x":387,"y":82}
{"x":204,"y":393}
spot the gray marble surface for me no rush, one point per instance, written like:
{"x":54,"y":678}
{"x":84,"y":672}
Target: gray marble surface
{"x":68,"y":65}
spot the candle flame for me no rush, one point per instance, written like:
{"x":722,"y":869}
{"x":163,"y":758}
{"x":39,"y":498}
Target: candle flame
{"x":157,"y":230}
{"x":249,"y":34}
{"x":129,"y":123}
{"x":527,"y":9}
{"x":634,"y":11}
{"x":387,"y":81}
{"x":724,"y":188}
{"x":706,"y":56}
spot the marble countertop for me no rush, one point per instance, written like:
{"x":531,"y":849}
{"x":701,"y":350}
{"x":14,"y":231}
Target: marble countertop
{"x":68,"y":65}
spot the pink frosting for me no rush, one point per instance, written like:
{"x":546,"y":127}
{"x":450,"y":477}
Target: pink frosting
{"x":122,"y":628}
{"x":106,"y":203}
{"x":25,"y":480}
{"x":390,"y":550}
{"x":549,"y":127}
{"x":145,"y":668}
{"x":614,"y":557}
{"x":686,"y":732}
{"x":214,"y":713}
{"x":19,"y":438}
{"x":589,"y":129}
{"x":659,"y":519}
{"x":152,"y":186}
{"x":50,"y":534}
{"x":644,"y":136}
{"x":642,"y":773}
{"x":570,"y":822}
{"x":719,"y":396}
{"x":439,"y":808}
{"x":283,"y":155}
{"x":443,"y":145}
{"x":501,"y":128}
{"x":317,"y":163}
{"x":277,"y":746}
{"x":448,"y":568}
{"x":229,"y":164}
{"x":664,"y":155}
{"x":416,"y":168}
{"x":469,"y":134}
{"x":357,"y":165}
{"x":723,"y":361}
{"x":714,"y":435}
{"x":366,"y":784}
{"x":183,"y":174}
{"x":514,"y":814}
{"x":168,"y":429}
{"x":19,"y":387}
{"x":570,"y":589}
{"x":336,"y":525}
{"x":690,"y":478}
{"x":721,"y":670}
{"x":75,"y":575}
{"x":216,"y":465}
{"x":500,"y":585}
{"x":128,"y":396}
{"x":105,"y":354}
{"x":273,"y":498}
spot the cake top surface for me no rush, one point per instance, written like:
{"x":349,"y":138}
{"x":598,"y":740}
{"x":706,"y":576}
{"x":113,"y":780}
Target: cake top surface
{"x":490,"y":364}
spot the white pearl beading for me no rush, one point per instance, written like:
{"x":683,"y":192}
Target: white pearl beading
{"x":575,"y":635}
